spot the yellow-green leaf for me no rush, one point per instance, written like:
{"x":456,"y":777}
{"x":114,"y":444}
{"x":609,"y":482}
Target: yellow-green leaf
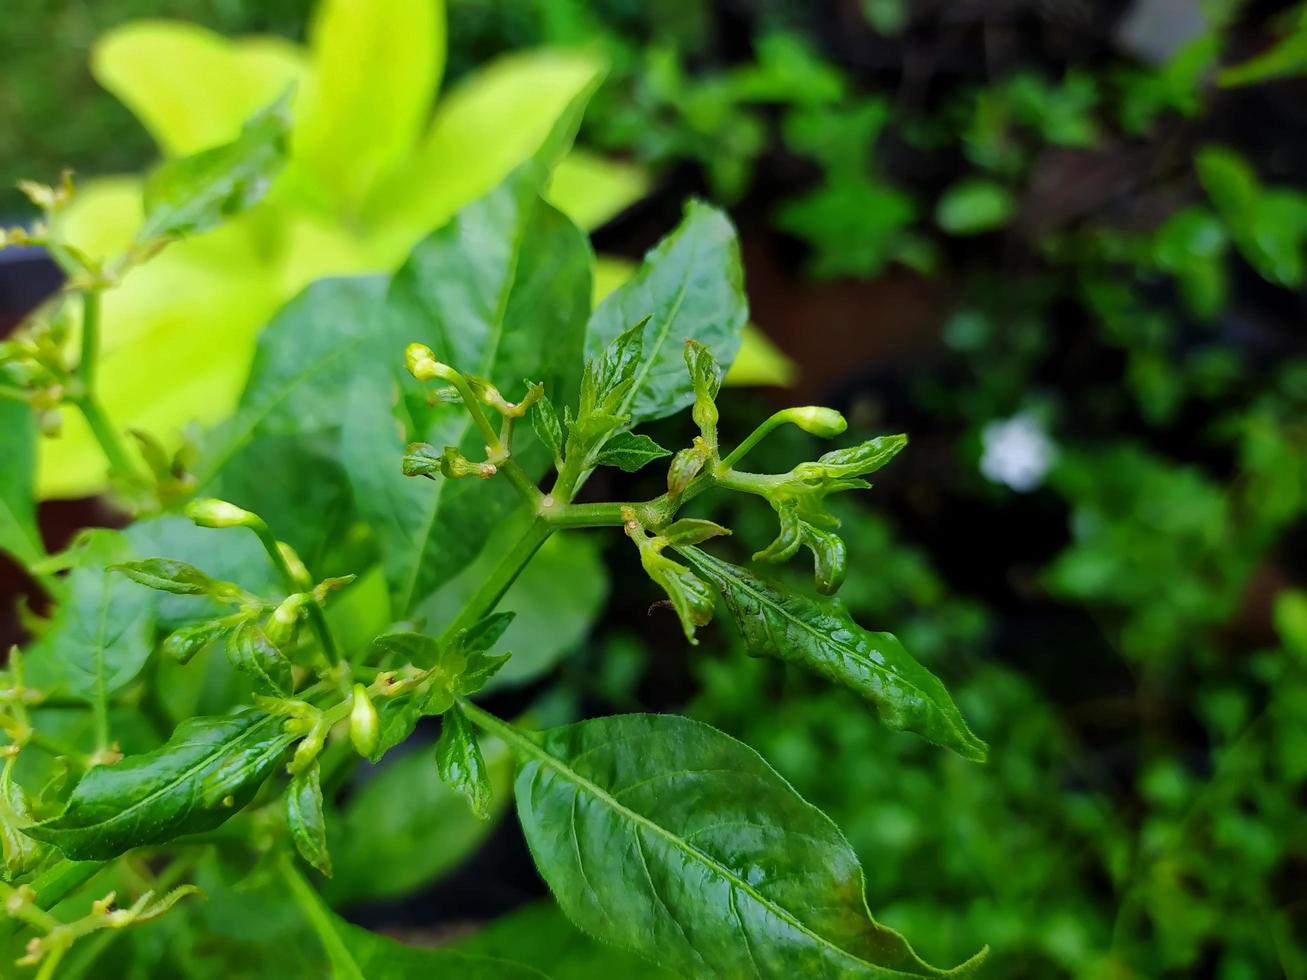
{"x":192,"y":88}
{"x":376,"y":66}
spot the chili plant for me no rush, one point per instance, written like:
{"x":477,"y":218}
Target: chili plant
{"x":194,"y":704}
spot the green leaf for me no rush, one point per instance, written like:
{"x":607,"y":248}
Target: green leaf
{"x":548,"y":428}
{"x":308,"y":828}
{"x":193,"y":194}
{"x":404,"y":827}
{"x":208,"y":770}
{"x":821,"y":636}
{"x":459,"y":761}
{"x":971,"y":207}
{"x":18,"y":532}
{"x":500,"y":292}
{"x":307,"y":355}
{"x":164,"y":70}
{"x":376,"y":66}
{"x":170,"y":575}
{"x":691,"y":287}
{"x":1287,"y":57}
{"x":102,"y":631}
{"x":706,"y":380}
{"x":183,"y":643}
{"x":1269,"y":225}
{"x":667,"y":838}
{"x":691,"y":530}
{"x":254,"y":655}
{"x":482,"y":129}
{"x":688,"y":594}
{"x":630,"y":452}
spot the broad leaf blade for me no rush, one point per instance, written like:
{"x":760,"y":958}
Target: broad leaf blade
{"x":500,"y":292}
{"x":667,"y":838}
{"x":691,"y":286}
{"x":207,"y":771}
{"x":164,"y":71}
{"x":376,"y":65}
{"x":102,"y":632}
{"x":821,"y":636}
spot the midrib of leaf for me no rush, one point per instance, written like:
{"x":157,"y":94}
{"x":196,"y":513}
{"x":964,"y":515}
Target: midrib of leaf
{"x":643,"y":373}
{"x":186,"y":774}
{"x":492,"y":349}
{"x":526,"y":745}
{"x":702,"y":558}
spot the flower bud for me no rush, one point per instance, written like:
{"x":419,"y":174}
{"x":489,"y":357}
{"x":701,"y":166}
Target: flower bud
{"x":364,"y":728}
{"x":210,"y":512}
{"x":421,"y":362}
{"x":815,"y":420}
{"x":283,"y":624}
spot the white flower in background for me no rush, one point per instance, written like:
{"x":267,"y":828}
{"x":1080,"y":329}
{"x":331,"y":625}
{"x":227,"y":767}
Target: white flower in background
{"x":1017,"y":452}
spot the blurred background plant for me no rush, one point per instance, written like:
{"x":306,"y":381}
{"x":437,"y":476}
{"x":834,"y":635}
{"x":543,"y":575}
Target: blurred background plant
{"x":1060,"y":244}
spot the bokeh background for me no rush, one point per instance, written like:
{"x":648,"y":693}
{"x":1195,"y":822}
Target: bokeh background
{"x":1061,"y":244}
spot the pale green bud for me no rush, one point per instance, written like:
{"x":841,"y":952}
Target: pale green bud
{"x":364,"y":727}
{"x":815,"y":420}
{"x":211,"y":512}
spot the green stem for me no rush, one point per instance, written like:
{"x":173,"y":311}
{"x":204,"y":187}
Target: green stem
{"x":105,"y":434}
{"x":317,"y":619}
{"x":55,"y":884}
{"x":484,"y":600}
{"x":90,"y":354}
{"x":473,"y":406}
{"x":319,"y":918}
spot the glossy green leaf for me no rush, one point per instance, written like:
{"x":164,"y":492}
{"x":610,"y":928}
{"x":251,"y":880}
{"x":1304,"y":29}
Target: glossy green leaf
{"x":193,"y":194}
{"x":460,"y":764}
{"x":18,"y":532}
{"x":501,"y":292}
{"x":667,"y":838}
{"x":376,"y":65}
{"x":548,"y":427}
{"x":971,"y":207}
{"x":207,"y":771}
{"x":304,"y":819}
{"x":821,"y":636}
{"x":630,"y":452}
{"x":183,"y":643}
{"x":253,"y":654}
{"x":102,"y":631}
{"x":404,"y":827}
{"x":164,"y":72}
{"x":690,"y":287}
{"x":758,"y":361}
